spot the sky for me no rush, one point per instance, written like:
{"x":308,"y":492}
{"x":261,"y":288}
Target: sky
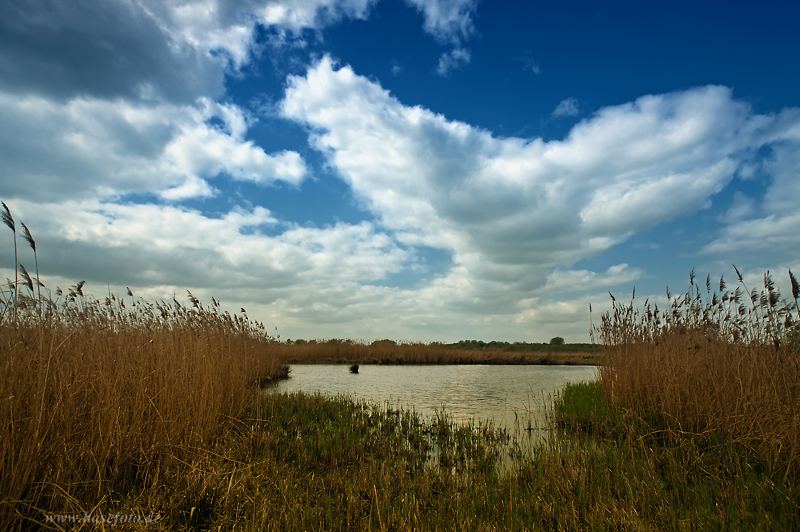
{"x":420,"y":170}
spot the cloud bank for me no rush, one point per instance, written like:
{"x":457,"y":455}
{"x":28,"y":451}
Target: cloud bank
{"x":105,"y":102}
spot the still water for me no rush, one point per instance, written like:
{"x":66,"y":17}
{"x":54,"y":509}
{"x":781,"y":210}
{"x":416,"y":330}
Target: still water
{"x":508,"y":396}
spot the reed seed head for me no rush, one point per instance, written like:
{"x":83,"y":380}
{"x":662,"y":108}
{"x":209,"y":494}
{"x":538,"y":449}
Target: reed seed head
{"x":26,"y":235}
{"x":26,"y":277}
{"x":7,"y":218}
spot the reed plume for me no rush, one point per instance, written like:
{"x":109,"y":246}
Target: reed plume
{"x":9,"y":221}
{"x":26,"y":235}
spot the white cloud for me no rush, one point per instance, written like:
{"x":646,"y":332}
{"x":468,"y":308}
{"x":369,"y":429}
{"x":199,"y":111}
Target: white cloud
{"x":312,"y":279}
{"x":105,"y":148}
{"x":104,"y":99}
{"x":193,"y":187}
{"x":200,"y":149}
{"x":447,"y":20}
{"x":770,"y":228}
{"x":157,"y":50}
{"x":564,"y":281}
{"x":227,"y":28}
{"x":162,"y":245}
{"x":298,"y":15}
{"x":774,"y":234}
{"x":452,"y":60}
{"x":638,"y":203}
{"x":568,"y":107}
{"x":512,"y":211}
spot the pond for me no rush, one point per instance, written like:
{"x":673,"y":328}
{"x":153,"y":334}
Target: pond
{"x":512,"y":397}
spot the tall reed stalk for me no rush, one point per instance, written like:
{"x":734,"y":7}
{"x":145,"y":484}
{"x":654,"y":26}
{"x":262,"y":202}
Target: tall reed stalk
{"x":26,"y":235}
{"x":9,"y":221}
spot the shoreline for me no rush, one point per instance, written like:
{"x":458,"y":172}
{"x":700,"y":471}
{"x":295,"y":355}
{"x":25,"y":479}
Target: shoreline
{"x":421,"y":354}
{"x":565,"y":359}
{"x":549,"y":359}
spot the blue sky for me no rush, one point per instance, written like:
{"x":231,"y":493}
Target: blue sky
{"x":417,"y":170}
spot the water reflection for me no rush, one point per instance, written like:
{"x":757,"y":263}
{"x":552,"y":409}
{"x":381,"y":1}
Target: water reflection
{"x":512,"y":397}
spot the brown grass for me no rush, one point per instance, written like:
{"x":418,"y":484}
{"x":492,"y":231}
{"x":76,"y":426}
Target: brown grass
{"x":725,"y":363}
{"x":100,"y":396}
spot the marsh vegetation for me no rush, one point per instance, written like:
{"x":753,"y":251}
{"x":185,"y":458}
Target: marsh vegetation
{"x":118,"y":405}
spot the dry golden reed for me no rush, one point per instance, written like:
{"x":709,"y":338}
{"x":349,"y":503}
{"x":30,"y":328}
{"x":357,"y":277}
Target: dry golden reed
{"x":97,"y":396}
{"x":390,"y":352}
{"x":713,"y":361}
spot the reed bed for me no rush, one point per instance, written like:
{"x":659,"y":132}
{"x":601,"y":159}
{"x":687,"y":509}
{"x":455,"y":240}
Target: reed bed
{"x":99,"y":396}
{"x":715,"y":362}
{"x":391,"y":352}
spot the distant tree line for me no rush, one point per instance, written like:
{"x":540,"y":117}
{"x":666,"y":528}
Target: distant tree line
{"x":555,"y":344}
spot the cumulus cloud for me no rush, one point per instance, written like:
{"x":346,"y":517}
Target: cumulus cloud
{"x":100,"y":100}
{"x":772,"y":224}
{"x":192,"y":187}
{"x":107,"y":49}
{"x":514,"y":210}
{"x":201,"y":149}
{"x":297,"y":16}
{"x":106,"y":148}
{"x":313,"y":280}
{"x":163,"y":245}
{"x":145,"y":49}
{"x":564,"y":281}
{"x":773,"y":233}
